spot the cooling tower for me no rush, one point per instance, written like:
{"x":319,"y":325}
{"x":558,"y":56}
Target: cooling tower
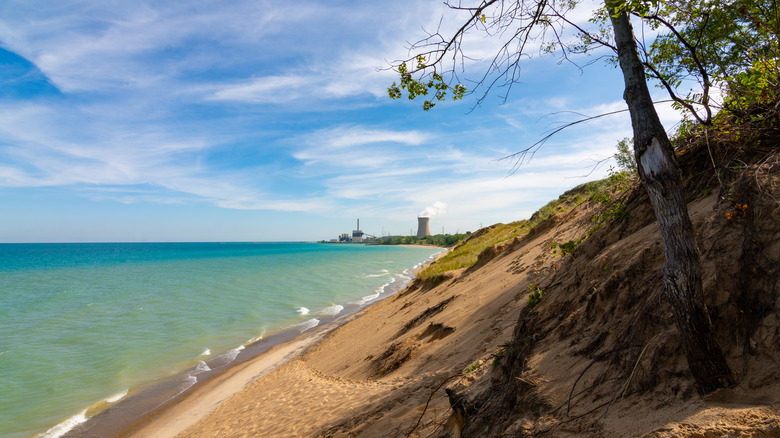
{"x":423,"y":228}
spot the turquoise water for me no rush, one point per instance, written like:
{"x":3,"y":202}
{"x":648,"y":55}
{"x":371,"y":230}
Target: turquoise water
{"x":83,"y":323}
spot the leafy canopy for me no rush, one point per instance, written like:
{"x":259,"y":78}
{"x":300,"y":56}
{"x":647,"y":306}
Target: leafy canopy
{"x":435,"y":84}
{"x":700,"y":45}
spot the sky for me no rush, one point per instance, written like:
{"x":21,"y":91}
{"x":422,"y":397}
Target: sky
{"x":251,"y":120}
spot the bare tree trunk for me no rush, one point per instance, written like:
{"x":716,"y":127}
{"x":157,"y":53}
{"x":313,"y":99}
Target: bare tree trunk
{"x":660,"y":176}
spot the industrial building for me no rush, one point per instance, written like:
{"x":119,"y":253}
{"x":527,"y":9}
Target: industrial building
{"x":423,"y":226}
{"x":357,"y":236}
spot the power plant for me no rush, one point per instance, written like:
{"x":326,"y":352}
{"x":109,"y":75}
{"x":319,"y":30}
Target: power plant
{"x":423,"y":226}
{"x":357,"y":236}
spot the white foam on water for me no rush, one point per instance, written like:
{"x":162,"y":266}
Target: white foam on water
{"x":226,"y":358}
{"x":206,"y":352}
{"x":230,"y":356}
{"x":201,"y":368}
{"x":116,"y":397}
{"x":382,"y":273}
{"x":308,"y":325}
{"x":303,"y":311}
{"x":368,"y":298}
{"x":66,"y":426}
{"x":331,"y":310}
{"x":188,"y":382}
{"x":257,"y":338}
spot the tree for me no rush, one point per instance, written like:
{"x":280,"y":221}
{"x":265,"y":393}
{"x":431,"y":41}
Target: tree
{"x":660,"y":176}
{"x":625,"y":156}
{"x":709,"y":42}
{"x":521,"y":22}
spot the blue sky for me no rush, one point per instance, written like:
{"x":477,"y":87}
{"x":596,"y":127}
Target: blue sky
{"x":268,"y":120}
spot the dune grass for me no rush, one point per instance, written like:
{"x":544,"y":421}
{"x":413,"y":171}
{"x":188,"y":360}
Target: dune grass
{"x":465,"y":254}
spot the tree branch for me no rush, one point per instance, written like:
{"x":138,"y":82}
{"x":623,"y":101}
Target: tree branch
{"x":702,"y":71}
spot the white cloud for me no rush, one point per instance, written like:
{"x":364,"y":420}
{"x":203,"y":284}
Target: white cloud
{"x":347,"y":137}
{"x":269,"y":89}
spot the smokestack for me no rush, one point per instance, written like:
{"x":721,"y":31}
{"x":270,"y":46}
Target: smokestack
{"x":423,"y":228}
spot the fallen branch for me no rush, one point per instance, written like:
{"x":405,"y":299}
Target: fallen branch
{"x":408,"y":434}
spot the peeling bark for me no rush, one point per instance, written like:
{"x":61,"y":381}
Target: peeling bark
{"x":660,"y":176}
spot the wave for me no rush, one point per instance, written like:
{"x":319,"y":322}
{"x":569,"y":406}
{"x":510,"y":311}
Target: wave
{"x":308,"y":325}
{"x":303,"y":311}
{"x":230,"y":356}
{"x":395,"y":283}
{"x":66,"y":426}
{"x":369,"y":298}
{"x":206,"y":352}
{"x":331,"y":310}
{"x":257,"y":338}
{"x":201,"y":368}
{"x":188,"y":382}
{"x":383,"y":273}
{"x":116,"y":397}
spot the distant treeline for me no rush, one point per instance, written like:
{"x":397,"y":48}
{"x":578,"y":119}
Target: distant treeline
{"x":446,"y":240}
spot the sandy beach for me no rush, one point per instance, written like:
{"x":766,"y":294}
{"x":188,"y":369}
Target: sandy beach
{"x":372,"y":374}
{"x":172,"y":420}
{"x":301,"y":388}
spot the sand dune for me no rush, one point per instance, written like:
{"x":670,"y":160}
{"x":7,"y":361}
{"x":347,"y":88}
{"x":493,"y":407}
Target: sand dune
{"x":388,"y":370}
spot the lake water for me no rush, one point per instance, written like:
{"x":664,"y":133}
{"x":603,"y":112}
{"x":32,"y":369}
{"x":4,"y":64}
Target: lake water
{"x":83,"y":324}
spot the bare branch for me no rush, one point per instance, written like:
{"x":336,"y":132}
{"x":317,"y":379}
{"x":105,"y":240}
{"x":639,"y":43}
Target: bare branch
{"x":525,"y":155}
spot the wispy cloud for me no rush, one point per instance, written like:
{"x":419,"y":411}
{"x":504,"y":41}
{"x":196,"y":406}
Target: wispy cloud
{"x":351,"y":136}
{"x":270,"y":89}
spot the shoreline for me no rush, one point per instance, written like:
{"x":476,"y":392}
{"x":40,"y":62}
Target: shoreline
{"x":185,"y":409}
{"x":138,"y":411}
{"x":153,"y":399}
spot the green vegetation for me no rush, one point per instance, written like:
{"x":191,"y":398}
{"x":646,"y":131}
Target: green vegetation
{"x":625,"y":156}
{"x":565,"y":248}
{"x":436,"y":84}
{"x":471,"y":368}
{"x":612,"y":192}
{"x":466,"y":253}
{"x":535,"y":297}
{"x":613,"y":199}
{"x":569,"y":199}
{"x":729,"y":44}
{"x":445,"y":240}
